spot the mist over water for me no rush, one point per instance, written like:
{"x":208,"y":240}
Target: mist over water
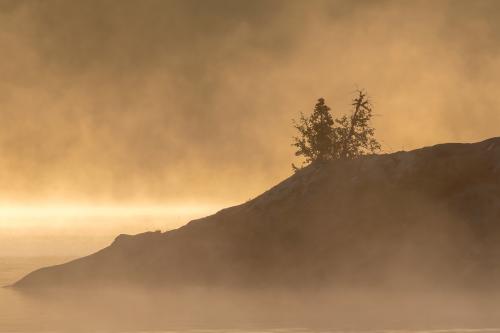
{"x":121,"y":117}
{"x":79,"y":229}
{"x":244,"y":311}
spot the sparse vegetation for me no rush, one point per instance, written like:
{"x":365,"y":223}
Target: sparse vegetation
{"x":322,"y":138}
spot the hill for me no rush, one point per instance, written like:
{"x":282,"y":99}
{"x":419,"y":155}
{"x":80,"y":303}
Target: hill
{"x":428,"y":217}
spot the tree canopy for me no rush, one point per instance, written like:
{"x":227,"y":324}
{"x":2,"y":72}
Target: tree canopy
{"x":322,"y":138}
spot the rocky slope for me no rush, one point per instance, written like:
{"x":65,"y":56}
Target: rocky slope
{"x":426,"y":217}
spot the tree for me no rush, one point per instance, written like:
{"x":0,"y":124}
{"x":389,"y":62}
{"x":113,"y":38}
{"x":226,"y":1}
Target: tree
{"x":356,"y":135}
{"x":317,"y":134}
{"x":322,"y":138}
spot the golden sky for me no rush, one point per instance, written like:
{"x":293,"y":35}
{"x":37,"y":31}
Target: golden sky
{"x":153,"y":101}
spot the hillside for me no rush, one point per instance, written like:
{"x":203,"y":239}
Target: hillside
{"x":425,"y":217}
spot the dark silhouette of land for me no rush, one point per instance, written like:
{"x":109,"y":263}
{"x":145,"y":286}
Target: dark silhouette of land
{"x":424,"y":218}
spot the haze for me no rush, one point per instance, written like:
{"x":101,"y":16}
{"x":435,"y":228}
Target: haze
{"x":127,"y":116}
{"x":193,"y":100}
{"x":171,"y":102}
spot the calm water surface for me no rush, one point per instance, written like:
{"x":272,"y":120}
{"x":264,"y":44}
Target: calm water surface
{"x":24,"y":313}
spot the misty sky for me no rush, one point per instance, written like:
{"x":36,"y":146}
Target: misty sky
{"x":193,"y":100}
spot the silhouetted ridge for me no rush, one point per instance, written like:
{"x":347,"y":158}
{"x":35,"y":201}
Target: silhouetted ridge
{"x":430,"y":215}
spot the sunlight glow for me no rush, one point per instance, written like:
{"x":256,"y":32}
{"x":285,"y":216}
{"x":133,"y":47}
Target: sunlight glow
{"x":11,"y":212}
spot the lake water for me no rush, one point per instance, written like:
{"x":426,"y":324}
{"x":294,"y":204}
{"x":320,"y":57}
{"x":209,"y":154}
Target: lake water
{"x":20,"y":312}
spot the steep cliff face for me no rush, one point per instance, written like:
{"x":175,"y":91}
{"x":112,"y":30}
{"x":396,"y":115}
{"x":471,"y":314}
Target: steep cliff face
{"x":429,"y":216}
